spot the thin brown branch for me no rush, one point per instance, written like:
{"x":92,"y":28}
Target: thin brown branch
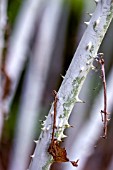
{"x":103,"y":112}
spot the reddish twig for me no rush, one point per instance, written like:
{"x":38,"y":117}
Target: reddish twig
{"x":104,"y":113}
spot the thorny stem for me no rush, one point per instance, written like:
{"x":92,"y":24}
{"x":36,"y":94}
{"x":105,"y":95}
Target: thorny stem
{"x":105,"y":118}
{"x":55,"y":107}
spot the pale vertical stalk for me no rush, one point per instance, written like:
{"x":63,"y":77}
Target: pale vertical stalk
{"x":34,"y":85}
{"x":19,"y":46}
{"x":3,"y":22}
{"x":89,"y":134}
{"x":73,"y":81}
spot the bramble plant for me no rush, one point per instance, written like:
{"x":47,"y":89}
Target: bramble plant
{"x":70,"y":88}
{"x":34,"y":45}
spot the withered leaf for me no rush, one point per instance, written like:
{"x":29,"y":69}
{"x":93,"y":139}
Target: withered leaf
{"x":59,"y":154}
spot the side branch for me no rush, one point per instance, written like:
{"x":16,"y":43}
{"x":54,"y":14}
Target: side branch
{"x":105,"y":119}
